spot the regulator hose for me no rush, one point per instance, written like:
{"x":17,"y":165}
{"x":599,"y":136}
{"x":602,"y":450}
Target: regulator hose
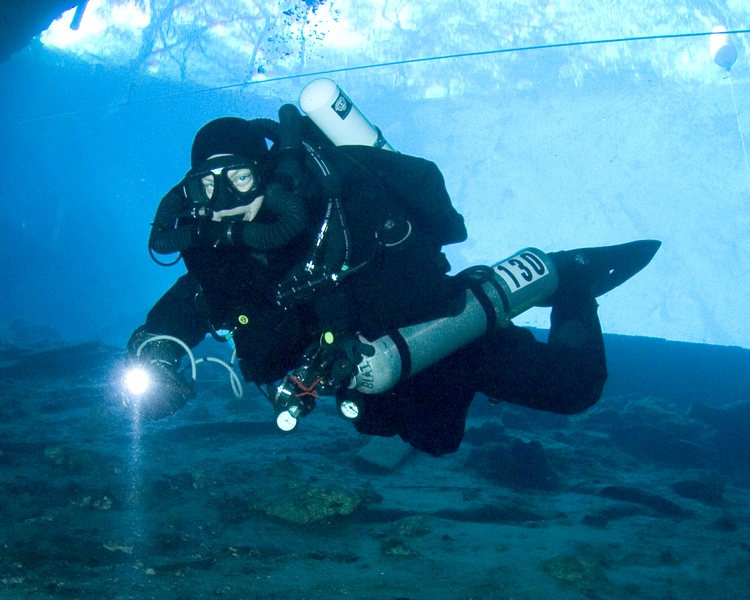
{"x":289,"y":220}
{"x":291,"y":152}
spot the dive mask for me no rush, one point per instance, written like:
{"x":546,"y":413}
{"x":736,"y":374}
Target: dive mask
{"x":224,"y":184}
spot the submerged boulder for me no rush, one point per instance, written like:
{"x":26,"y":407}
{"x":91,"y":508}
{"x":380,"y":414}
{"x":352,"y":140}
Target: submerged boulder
{"x":310,"y":503}
{"x":577,"y":573}
{"x":703,"y":487}
{"x":662,"y":445}
{"x":519,"y":464}
{"x":658,"y":503}
{"x":732,"y":430}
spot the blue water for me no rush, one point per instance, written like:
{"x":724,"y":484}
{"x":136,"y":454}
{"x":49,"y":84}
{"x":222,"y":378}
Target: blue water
{"x":644,"y":496}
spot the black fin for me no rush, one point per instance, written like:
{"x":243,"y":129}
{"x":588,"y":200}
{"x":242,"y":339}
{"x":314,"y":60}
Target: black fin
{"x":614,"y":265}
{"x":595,"y":271}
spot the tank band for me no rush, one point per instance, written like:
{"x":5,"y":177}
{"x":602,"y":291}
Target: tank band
{"x":403,"y":351}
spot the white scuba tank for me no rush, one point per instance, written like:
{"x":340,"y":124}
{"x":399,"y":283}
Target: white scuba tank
{"x":336,"y":115}
{"x":501,"y":293}
{"x":722,"y":47}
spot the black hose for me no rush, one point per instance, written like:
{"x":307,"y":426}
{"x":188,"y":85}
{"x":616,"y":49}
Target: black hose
{"x":289,"y":220}
{"x":268,"y":127}
{"x":290,"y":130}
{"x":291,"y":152}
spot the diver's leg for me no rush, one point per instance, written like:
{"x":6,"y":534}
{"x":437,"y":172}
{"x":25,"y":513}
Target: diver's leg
{"x":428,"y":410}
{"x":565,"y":375}
{"x":576,"y":337}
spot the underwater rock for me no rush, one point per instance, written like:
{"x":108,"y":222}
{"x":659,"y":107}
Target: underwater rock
{"x":601,"y":518}
{"x":492,"y":461}
{"x":708,"y":488}
{"x":21,"y":336}
{"x":574,"y":572}
{"x":732,"y":425}
{"x":492,"y":513}
{"x":660,"y":445}
{"x":516,"y":420}
{"x":382,"y":455}
{"x":58,"y":361}
{"x":305,"y":503}
{"x":232,"y":509}
{"x":601,"y":418}
{"x":346,"y":558}
{"x":598,"y":520}
{"x":531,"y":467}
{"x":521,"y":465}
{"x":660,"y":504}
{"x":487,"y":433}
{"x":412,"y":527}
{"x":612,"y":513}
{"x":396,"y":547}
{"x":734,"y":416}
{"x":725,"y":523}
{"x":527,"y":419}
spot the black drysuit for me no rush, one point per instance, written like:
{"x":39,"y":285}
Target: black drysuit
{"x":397,"y":216}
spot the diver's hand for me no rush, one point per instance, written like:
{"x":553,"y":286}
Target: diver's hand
{"x":351,"y":351}
{"x":336,"y":357}
{"x":207,"y":233}
{"x":166,"y":391}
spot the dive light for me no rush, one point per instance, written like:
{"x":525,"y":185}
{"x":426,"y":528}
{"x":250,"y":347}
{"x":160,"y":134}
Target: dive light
{"x":137,"y":381}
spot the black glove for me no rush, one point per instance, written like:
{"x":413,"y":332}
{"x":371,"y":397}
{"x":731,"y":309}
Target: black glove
{"x":352,"y":352}
{"x":168,"y":391}
{"x":340,"y":356}
{"x":162,"y":350}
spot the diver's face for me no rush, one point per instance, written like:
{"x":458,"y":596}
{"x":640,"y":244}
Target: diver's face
{"x":229,"y":185}
{"x":241,"y":179}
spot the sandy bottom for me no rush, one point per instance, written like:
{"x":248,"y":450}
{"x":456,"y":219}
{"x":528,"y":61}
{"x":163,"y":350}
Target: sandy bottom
{"x":634,"y":499}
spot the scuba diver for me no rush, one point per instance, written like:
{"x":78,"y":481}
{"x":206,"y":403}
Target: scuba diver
{"x":324,"y":261}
